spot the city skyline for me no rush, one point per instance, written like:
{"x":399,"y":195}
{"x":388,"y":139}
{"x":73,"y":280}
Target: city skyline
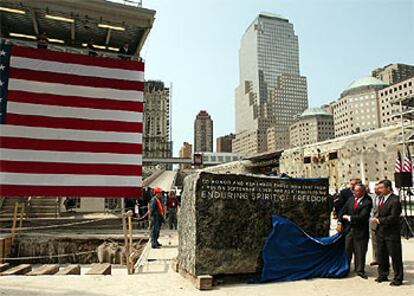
{"x":195,"y":47}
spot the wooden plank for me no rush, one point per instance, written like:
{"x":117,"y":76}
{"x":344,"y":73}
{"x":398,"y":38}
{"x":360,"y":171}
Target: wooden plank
{"x":204,"y":282}
{"x":73,"y":269}
{"x":13,"y":230}
{"x":4,"y":266}
{"x":125,"y":231}
{"x":2,"y":255}
{"x":131,"y":264}
{"x":46,"y":269}
{"x":100,"y":269}
{"x":17,"y":270}
{"x":175,"y":264}
{"x":7,"y":247}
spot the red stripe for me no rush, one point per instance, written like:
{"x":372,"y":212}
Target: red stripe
{"x":67,"y":145}
{"x":69,"y":168}
{"x":71,"y":79}
{"x":73,"y":58}
{"x":74,"y":123}
{"x":75,"y":191}
{"x":71,"y":101}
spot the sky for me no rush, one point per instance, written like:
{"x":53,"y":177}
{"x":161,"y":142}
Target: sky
{"x":194,"y":47}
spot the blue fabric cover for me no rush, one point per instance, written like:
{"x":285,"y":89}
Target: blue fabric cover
{"x":290,"y":254}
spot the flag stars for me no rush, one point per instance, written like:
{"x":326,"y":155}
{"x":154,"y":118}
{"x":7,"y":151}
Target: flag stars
{"x":2,"y":53}
{"x":1,"y":83}
{"x":2,"y":67}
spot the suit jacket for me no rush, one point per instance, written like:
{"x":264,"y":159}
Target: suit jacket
{"x":359,"y":224}
{"x":342,"y":198}
{"x":122,"y":50}
{"x":389,"y":214}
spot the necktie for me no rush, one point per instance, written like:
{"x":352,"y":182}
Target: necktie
{"x":355,"y":203}
{"x":381,"y":202}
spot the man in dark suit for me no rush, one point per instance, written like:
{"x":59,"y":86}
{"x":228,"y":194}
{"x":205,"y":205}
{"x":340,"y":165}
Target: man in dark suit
{"x":125,"y":52}
{"x":388,"y":234}
{"x":345,"y":194}
{"x":354,"y":217}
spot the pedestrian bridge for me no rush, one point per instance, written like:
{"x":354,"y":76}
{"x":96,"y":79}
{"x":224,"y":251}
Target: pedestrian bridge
{"x":165,"y":180}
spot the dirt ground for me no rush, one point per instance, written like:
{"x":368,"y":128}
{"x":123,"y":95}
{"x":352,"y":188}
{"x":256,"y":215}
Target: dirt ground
{"x":157,"y":278}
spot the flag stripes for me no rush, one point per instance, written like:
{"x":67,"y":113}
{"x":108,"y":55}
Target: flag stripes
{"x":73,"y":90}
{"x":70,"y":123}
{"x":91,"y":191}
{"x":51,"y":77}
{"x":73,"y":125}
{"x":69,"y":168}
{"x":69,"y":58}
{"x":65,"y":145}
{"x":76,"y":69}
{"x":407,"y":165}
{"x":68,"y":157}
{"x":398,"y":165}
{"x":79,"y":102}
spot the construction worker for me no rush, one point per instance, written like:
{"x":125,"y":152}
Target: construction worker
{"x":156,"y":216}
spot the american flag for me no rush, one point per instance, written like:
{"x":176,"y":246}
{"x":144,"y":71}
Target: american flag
{"x":70,"y":124}
{"x":407,"y":165}
{"x":398,"y":164}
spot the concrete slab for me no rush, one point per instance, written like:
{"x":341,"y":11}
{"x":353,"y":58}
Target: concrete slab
{"x":17,"y":270}
{"x":73,"y":269}
{"x":4,"y":266}
{"x":46,"y":269}
{"x":100,"y":269}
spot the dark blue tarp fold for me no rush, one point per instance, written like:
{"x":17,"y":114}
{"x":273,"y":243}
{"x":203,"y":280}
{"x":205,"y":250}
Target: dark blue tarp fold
{"x":290,"y":254}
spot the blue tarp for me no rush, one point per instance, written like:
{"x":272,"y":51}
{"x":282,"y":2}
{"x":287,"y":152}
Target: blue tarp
{"x":290,"y":254}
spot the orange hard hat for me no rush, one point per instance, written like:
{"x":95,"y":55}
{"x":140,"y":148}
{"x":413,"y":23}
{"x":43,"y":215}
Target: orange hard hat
{"x":157,"y":190}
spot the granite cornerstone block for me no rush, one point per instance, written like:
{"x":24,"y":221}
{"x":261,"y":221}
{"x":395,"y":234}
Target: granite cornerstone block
{"x":225,"y":218}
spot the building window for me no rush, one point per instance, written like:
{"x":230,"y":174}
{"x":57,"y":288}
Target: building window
{"x":333,"y":155}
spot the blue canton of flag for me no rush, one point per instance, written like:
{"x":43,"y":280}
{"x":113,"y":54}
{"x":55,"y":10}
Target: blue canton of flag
{"x":4,"y":80}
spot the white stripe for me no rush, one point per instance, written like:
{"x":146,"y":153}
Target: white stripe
{"x":69,"y":157}
{"x":69,"y":180}
{"x":72,"y":112}
{"x":75,"y":90}
{"x":76,"y":69}
{"x":68,"y":134}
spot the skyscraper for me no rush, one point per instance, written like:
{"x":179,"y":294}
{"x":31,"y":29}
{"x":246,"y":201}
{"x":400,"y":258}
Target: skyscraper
{"x":186,"y":151}
{"x":156,"y":136}
{"x":203,"y":132}
{"x":394,"y":73}
{"x":224,"y":143}
{"x":271,"y":91}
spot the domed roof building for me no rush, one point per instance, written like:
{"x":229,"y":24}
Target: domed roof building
{"x":357,"y":109}
{"x":314,"y":112}
{"x":313,"y":125}
{"x":364,"y":84}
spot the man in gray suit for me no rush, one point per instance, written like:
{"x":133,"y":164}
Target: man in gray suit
{"x":372,"y":226}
